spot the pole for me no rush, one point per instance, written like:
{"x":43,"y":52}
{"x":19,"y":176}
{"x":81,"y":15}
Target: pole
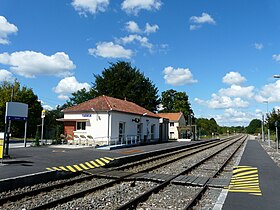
{"x":277,"y":142}
{"x":25,"y":131}
{"x":263,"y":128}
{"x":42,"y":130}
{"x":268,"y":137}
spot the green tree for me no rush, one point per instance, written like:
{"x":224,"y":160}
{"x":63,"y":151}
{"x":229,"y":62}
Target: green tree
{"x":207,"y":127}
{"x":23,"y":95}
{"x":53,"y":129}
{"x":254,"y":126}
{"x":122,"y":81}
{"x":173,"y":101}
{"x":80,"y":96}
{"x":271,"y":118}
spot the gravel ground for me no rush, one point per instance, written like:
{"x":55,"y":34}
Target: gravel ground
{"x":171,"y":197}
{"x":37,"y":186}
{"x":272,"y":151}
{"x":209,"y":199}
{"x":109,"y":198}
{"x":42,"y":198}
{"x":181,"y":165}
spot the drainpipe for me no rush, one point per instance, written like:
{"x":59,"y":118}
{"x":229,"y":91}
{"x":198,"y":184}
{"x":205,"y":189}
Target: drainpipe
{"x":108,"y":132}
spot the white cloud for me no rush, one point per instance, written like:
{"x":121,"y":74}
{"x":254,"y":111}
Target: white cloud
{"x":132,"y":27}
{"x":90,"y":6}
{"x":30,"y":64}
{"x":6,"y":76}
{"x":151,"y":28}
{"x":6,"y":29}
{"x":144,"y":41}
{"x":238,"y":91}
{"x":68,"y":86}
{"x":194,"y":27}
{"x":110,"y":50}
{"x":134,"y":6}
{"x":233,"y":78}
{"x":258,"y":46}
{"x":232,"y":117}
{"x":276,"y":57}
{"x":179,"y":76}
{"x":269,"y":92}
{"x":223,"y":102}
{"x":198,"y":21}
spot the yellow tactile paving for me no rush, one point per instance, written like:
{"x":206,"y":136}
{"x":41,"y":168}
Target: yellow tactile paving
{"x":245,"y":180}
{"x":89,"y":165}
{"x":100,"y":162}
{"x":83,"y":166}
{"x":94,"y":163}
{"x":71,"y":168}
{"x":77,"y":167}
{"x":105,"y":160}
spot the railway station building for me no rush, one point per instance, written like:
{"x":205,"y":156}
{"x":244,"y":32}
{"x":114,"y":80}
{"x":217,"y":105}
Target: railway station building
{"x":177,"y":122}
{"x":109,"y":121}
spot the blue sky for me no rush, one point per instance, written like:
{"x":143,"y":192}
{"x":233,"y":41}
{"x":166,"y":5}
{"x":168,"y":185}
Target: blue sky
{"x":222,"y":53}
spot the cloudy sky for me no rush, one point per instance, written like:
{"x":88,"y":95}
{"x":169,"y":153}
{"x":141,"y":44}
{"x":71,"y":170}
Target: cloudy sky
{"x":222,"y":53}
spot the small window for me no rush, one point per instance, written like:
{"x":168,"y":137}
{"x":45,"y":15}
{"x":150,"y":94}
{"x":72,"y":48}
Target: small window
{"x":171,"y":124}
{"x":81,"y":125}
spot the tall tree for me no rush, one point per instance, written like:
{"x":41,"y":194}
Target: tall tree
{"x":254,"y":126}
{"x":173,"y":101}
{"x":80,"y":96}
{"x":271,"y":118}
{"x":122,"y":81}
{"x":16,"y":93}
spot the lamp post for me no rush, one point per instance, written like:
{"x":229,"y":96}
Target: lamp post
{"x":268,"y":131}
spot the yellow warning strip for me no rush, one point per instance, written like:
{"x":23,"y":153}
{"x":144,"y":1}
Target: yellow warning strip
{"x":89,"y":165}
{"x":63,"y":168}
{"x":83,"y":166}
{"x":77,"y":167}
{"x":100,"y":162}
{"x":94,"y":163}
{"x":108,"y":158}
{"x":104,"y":160}
{"x":259,"y":194}
{"x":246,"y":185}
{"x":245,"y":173}
{"x":245,"y":190}
{"x":245,"y":177}
{"x":56,"y":168}
{"x":235,"y":171}
{"x":71,"y":168}
{"x":50,"y":169}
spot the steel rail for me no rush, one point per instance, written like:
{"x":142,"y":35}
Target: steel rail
{"x":134,"y":202}
{"x":90,"y":176}
{"x":196,"y":198}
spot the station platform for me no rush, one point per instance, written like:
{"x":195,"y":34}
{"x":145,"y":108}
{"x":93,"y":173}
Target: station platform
{"x":25,"y":161}
{"x":256,"y":181}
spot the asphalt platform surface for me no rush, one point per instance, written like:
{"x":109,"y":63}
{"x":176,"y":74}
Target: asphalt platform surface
{"x":269,"y":182}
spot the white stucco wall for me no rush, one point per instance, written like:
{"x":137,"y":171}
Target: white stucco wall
{"x":131,"y":126}
{"x":97,"y":124}
{"x":181,"y":122}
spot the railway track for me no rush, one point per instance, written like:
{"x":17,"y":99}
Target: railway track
{"x":98,"y":190}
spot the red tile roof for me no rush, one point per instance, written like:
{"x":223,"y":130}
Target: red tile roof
{"x":171,"y":116}
{"x":106,"y":103}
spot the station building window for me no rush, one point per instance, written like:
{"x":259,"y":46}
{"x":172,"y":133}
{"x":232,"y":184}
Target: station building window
{"x":171,"y":124}
{"x":81,"y":125}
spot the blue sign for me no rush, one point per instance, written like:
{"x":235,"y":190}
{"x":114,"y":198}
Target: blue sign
{"x":16,"y":118}
{"x":86,"y":115}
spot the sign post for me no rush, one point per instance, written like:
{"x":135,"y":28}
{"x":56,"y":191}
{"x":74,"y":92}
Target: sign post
{"x":14,"y":111}
{"x":43,"y":114}
{"x":277,"y":141}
